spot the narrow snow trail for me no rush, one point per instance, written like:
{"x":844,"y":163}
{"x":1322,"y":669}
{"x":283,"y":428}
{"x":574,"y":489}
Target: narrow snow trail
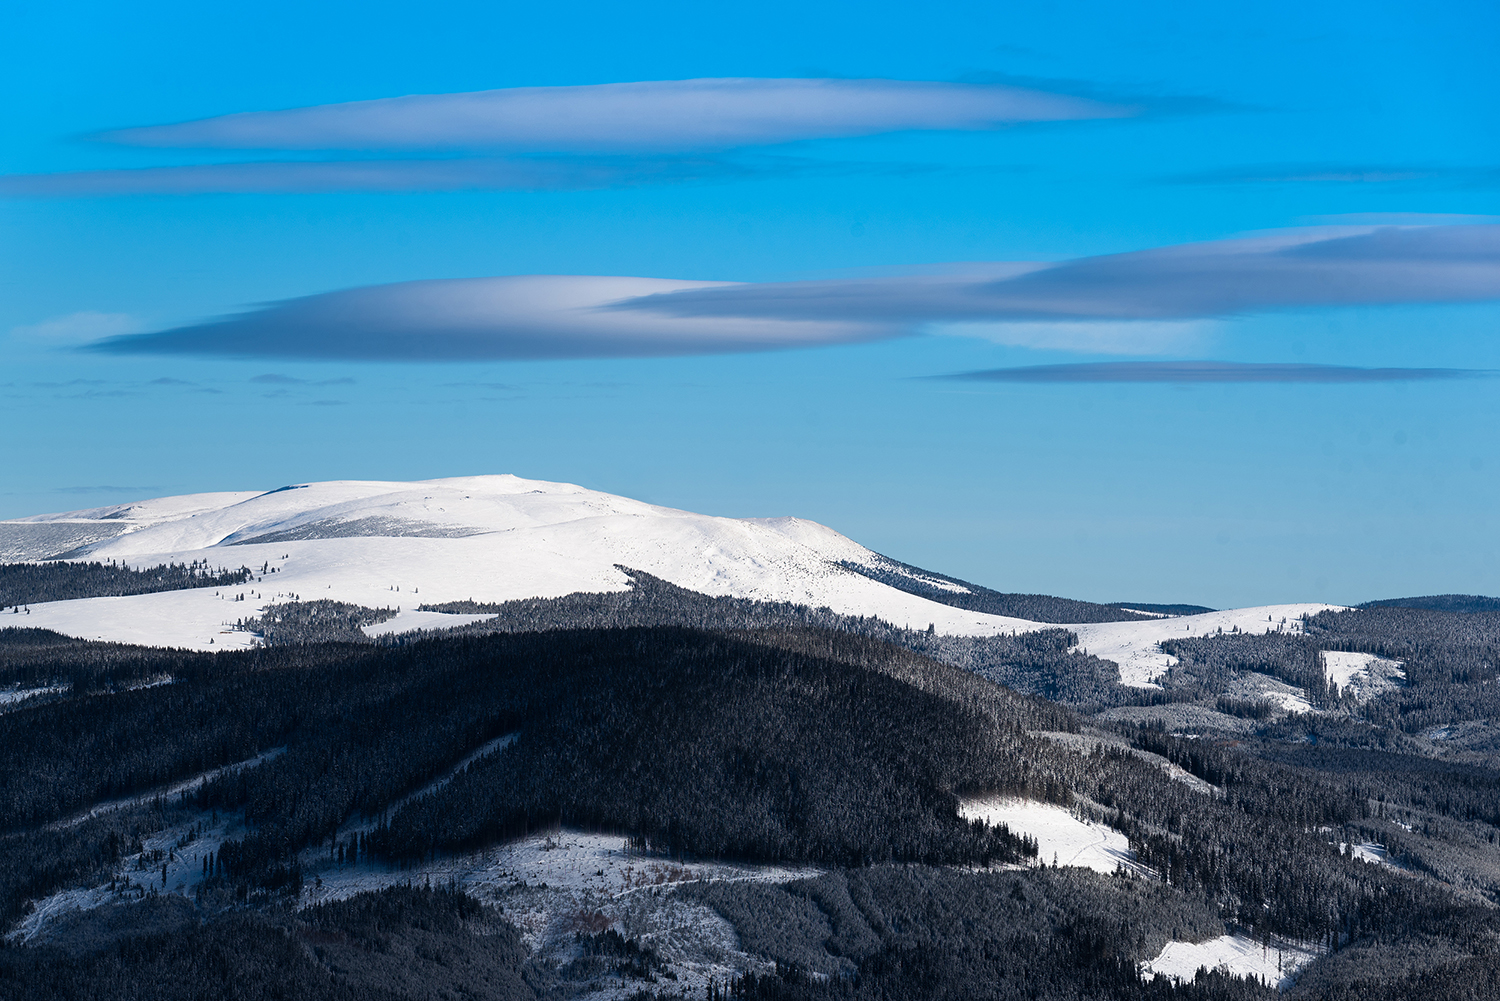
{"x":364,"y":824}
{"x":173,"y":789}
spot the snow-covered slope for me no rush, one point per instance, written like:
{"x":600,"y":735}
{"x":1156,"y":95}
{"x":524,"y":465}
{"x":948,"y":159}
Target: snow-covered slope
{"x":489,"y":538}
{"x":497,"y":538}
{"x":1133,"y":645}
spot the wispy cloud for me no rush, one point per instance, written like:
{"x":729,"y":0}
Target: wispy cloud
{"x":76,"y":328}
{"x":522,"y":173}
{"x":1211,"y":371}
{"x":1345,"y":173}
{"x":533,"y":316}
{"x":1148,"y":301}
{"x":651,"y":115}
{"x":1332,"y":266}
{"x":1092,"y":337}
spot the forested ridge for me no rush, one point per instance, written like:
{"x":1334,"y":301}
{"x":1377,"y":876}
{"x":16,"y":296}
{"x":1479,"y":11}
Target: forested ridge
{"x":710,"y":728}
{"x":1040,"y":663}
{"x":976,"y":598}
{"x":32,"y":583}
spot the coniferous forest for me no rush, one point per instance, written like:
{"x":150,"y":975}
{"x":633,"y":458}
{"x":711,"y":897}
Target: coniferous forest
{"x":172,"y":824}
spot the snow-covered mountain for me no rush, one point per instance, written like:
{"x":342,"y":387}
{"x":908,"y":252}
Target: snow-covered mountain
{"x":489,"y":538}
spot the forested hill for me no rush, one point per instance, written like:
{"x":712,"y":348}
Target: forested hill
{"x":1037,"y":663}
{"x":33,"y":583}
{"x":975,"y":598}
{"x":707,"y":731}
{"x":1466,"y":603}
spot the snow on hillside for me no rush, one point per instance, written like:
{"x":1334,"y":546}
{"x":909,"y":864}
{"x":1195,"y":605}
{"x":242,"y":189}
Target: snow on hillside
{"x":1366,"y":673}
{"x":1275,"y":962}
{"x":1133,"y":645}
{"x":489,"y":538}
{"x":1060,"y":836}
{"x":498,"y":538}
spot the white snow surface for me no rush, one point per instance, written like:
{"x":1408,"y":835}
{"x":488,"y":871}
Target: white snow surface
{"x":1366,"y":673}
{"x":409,"y":619}
{"x":1277,"y":963}
{"x":1134,"y":645}
{"x":499,"y":538}
{"x":1059,"y":834}
{"x":489,"y":538}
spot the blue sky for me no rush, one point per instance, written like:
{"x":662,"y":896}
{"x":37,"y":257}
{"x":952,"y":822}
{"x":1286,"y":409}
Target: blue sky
{"x":1299,"y":143}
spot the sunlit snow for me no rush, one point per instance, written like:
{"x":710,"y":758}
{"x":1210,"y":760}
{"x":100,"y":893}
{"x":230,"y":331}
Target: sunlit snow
{"x":489,"y":538}
{"x":1365,"y":673}
{"x":1134,"y":645}
{"x":1275,"y":962}
{"x":1060,"y":835}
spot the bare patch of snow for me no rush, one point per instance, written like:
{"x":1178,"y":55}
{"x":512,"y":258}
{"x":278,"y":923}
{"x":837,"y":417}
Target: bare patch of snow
{"x":1276,"y":963}
{"x":1059,"y":834}
{"x":1134,"y":646}
{"x":406,"y":621}
{"x":553,"y":886}
{"x":1367,"y":674}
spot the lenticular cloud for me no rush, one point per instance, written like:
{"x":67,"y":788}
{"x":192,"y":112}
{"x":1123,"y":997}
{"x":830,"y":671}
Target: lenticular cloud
{"x":654,"y":115}
{"x":1211,"y":371}
{"x":1348,"y":266}
{"x":1141,"y":302}
{"x":522,"y":317}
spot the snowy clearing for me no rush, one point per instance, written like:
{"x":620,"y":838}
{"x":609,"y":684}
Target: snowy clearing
{"x":1276,"y":964}
{"x":1371,"y":852}
{"x":1366,"y":673}
{"x":1133,"y":645}
{"x":1058,"y":833}
{"x":406,"y":621}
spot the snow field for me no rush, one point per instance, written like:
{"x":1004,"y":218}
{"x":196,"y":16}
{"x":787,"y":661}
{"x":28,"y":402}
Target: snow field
{"x":489,"y":538}
{"x":406,"y":621}
{"x":1276,"y":964}
{"x":1058,"y":833}
{"x":1366,"y":673}
{"x":1134,"y":645}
